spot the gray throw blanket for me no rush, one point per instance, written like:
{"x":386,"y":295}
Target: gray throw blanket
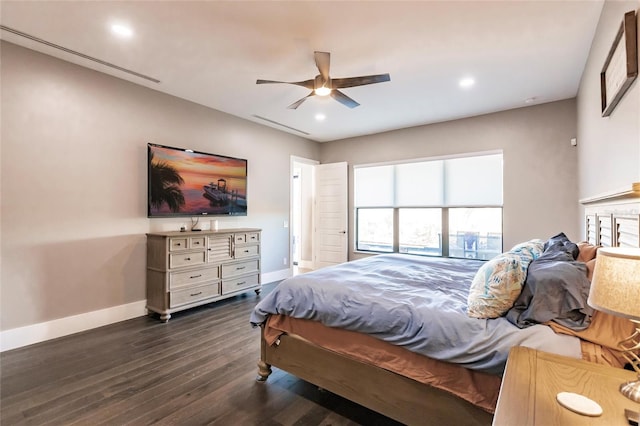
{"x":556,"y":289}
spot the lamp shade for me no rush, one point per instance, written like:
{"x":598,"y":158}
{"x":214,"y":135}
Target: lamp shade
{"x":615,"y":286}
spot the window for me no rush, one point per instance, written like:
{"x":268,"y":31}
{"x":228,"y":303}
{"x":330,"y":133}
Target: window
{"x":441,"y":207}
{"x":375,"y":230}
{"x":419,"y":231}
{"x":475,"y":233}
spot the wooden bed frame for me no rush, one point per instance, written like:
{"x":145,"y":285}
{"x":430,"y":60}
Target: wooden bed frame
{"x":391,"y":394}
{"x":610,"y":220}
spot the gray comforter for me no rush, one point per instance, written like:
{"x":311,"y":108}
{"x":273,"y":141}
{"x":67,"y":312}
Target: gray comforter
{"x":415,"y":302}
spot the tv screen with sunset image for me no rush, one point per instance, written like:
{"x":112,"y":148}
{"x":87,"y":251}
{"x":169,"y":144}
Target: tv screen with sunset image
{"x":184,"y":182}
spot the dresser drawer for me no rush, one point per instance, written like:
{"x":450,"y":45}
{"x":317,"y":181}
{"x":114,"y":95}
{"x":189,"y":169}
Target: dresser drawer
{"x":240,"y":268}
{"x":189,"y":278}
{"x":178,"y":260}
{"x":197,"y":242}
{"x":246,"y":251}
{"x":176,"y":244}
{"x":231,"y":285}
{"x":190,"y":295}
{"x":240,"y":238}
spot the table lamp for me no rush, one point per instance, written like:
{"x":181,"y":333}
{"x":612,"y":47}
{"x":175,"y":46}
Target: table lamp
{"x":615,"y":289}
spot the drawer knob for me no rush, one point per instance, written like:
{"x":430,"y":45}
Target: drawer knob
{"x":242,"y":283}
{"x":187,"y":258}
{"x":196,"y":294}
{"x":195,"y":276}
{"x":246,"y":251}
{"x":239,"y":268}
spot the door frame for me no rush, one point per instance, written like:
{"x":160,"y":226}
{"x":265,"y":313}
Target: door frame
{"x":294,"y":161}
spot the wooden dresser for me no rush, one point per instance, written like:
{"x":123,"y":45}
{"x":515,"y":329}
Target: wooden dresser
{"x":187,"y":269}
{"x":532,"y":380}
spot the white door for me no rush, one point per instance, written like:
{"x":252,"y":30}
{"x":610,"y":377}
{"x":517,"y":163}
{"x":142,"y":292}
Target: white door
{"x":330,"y":239}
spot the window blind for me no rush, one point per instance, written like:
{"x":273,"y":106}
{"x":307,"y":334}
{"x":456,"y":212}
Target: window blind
{"x":462,"y":181}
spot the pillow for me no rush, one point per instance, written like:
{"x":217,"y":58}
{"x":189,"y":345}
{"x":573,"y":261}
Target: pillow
{"x":498,"y":282}
{"x":590,"y":267}
{"x":529,"y":250}
{"x":587,"y":251}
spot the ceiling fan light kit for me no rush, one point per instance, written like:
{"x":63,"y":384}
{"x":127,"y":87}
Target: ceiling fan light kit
{"x":322,"y":91}
{"x":323,"y":85}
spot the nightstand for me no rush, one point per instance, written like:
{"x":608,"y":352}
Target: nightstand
{"x":532,"y":380}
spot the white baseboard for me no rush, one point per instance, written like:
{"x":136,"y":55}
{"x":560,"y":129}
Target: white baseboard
{"x":270,"y":277}
{"x":30,"y":334}
{"x":36,"y":333}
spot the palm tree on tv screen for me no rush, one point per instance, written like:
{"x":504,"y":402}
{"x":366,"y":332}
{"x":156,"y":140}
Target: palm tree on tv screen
{"x":164,"y":185}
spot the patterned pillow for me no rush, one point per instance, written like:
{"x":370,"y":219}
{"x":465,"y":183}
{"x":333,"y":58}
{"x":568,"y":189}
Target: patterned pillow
{"x":529,"y":251}
{"x":498,"y":283}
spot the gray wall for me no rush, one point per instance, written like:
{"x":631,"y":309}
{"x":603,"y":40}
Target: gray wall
{"x":608,"y":148}
{"x":540,"y":175}
{"x":73,"y":182}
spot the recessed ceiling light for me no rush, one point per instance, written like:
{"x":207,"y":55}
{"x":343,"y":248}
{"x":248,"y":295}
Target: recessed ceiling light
{"x":320,"y":117}
{"x":121,"y":30}
{"x":467,"y":82}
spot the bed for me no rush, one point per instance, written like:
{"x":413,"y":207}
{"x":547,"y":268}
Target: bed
{"x":400,"y":365}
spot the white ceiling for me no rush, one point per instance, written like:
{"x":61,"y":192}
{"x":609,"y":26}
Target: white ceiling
{"x":212,"y":52}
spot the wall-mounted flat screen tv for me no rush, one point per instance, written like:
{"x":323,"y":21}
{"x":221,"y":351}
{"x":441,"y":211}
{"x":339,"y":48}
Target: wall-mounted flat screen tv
{"x":183,"y":182}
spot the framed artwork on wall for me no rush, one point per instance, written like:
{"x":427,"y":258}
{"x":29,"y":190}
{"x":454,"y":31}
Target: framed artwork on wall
{"x":621,"y":66}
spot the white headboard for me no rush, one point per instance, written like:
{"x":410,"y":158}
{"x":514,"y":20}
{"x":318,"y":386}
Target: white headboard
{"x":613,"y":219}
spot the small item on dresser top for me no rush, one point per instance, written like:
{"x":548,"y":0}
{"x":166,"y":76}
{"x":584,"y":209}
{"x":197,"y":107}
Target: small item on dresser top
{"x":579,"y":404}
{"x":633,"y":417}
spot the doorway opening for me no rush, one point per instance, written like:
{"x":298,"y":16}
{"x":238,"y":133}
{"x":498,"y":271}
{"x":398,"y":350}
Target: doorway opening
{"x":301,"y":214}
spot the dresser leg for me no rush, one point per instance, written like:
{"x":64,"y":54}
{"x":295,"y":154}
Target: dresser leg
{"x":257,"y":291}
{"x":165,"y":317}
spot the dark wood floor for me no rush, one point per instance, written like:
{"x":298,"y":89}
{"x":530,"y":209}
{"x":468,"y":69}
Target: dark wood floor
{"x":199,"y":368}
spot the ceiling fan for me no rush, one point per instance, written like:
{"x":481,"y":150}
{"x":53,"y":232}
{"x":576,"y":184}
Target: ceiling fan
{"x":323,"y":84}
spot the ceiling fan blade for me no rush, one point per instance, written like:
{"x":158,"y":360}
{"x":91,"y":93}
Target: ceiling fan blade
{"x":322,"y":62}
{"x":341,"y":83}
{"x":297,"y":103}
{"x":343,"y":99}
{"x":307,"y":83}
